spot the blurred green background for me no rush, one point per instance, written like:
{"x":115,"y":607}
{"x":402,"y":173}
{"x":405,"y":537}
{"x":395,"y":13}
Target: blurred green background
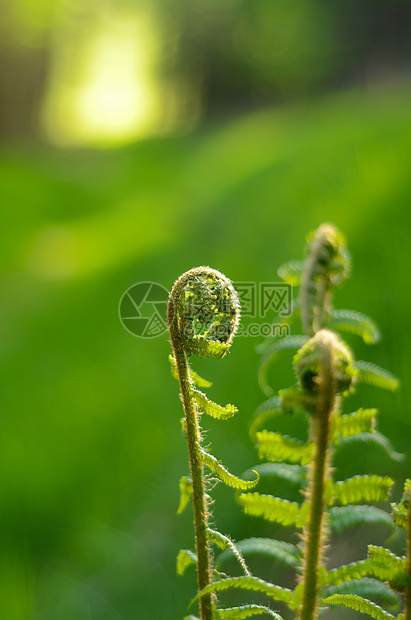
{"x":140,"y":139}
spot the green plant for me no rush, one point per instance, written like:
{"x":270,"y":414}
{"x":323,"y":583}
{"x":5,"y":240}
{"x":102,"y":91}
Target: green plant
{"x":203,"y":315}
{"x":402,"y":517}
{"x":386,"y":567}
{"x":326,"y":372}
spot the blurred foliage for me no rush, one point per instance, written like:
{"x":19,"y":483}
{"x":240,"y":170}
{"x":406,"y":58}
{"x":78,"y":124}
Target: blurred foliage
{"x":91,"y":444}
{"x":82,"y":71}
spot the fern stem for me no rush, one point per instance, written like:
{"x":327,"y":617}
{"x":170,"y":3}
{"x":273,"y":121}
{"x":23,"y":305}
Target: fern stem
{"x":200,"y":508}
{"x":314,"y":534}
{"x":407,"y":594}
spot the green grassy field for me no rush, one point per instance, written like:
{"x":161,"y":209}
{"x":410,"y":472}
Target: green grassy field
{"x":90,"y":442}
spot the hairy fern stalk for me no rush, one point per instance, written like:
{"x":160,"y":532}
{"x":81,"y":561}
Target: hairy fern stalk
{"x":203,"y":315}
{"x":326,"y":372}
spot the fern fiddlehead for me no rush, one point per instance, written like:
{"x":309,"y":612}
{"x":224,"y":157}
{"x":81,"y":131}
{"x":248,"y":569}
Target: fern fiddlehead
{"x":201,"y":301}
{"x":203,"y":315}
{"x":324,"y":367}
{"x":326,"y":267}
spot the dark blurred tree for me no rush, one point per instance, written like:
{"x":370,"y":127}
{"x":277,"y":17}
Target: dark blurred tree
{"x":25,"y":52}
{"x":217,"y":55}
{"x":244,"y":53}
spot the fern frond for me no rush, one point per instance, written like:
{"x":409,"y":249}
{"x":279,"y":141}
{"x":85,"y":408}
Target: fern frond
{"x":366,"y":587}
{"x":354,"y":423}
{"x":247,"y":583}
{"x":400,"y":510}
{"x":224,"y":475}
{"x":358,"y":570}
{"x":377,"y":439}
{"x":174,"y":372}
{"x":194,"y":377}
{"x":271,"y":508}
{"x":374,"y":375}
{"x":268,"y":409}
{"x":291,"y":272}
{"x":343,"y":517}
{"x":303,"y":514}
{"x":352,"y":601}
{"x":185,"y":558}
{"x":218,"y":539}
{"x":294,"y":474}
{"x":399,"y":513}
{"x":297,"y":598}
{"x":212,"y":409}
{"x":387,"y":561}
{"x":200,"y":381}
{"x":223,"y":542}
{"x":191,"y":618}
{"x":202,"y":346}
{"x":277,"y":447}
{"x":246,"y":611}
{"x":186,"y":490}
{"x":355,"y":323}
{"x":359,"y":488}
{"x":278,"y":550}
{"x":286,"y":343}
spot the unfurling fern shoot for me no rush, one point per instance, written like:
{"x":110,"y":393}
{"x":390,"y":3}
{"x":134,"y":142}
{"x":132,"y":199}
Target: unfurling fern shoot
{"x":326,"y":372}
{"x":203,"y":315}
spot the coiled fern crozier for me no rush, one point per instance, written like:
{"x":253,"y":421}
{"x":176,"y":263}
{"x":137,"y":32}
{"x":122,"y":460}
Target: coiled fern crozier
{"x":203,"y":316}
{"x":326,"y":372}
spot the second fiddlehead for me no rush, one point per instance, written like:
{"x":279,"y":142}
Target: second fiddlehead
{"x":324,"y":367}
